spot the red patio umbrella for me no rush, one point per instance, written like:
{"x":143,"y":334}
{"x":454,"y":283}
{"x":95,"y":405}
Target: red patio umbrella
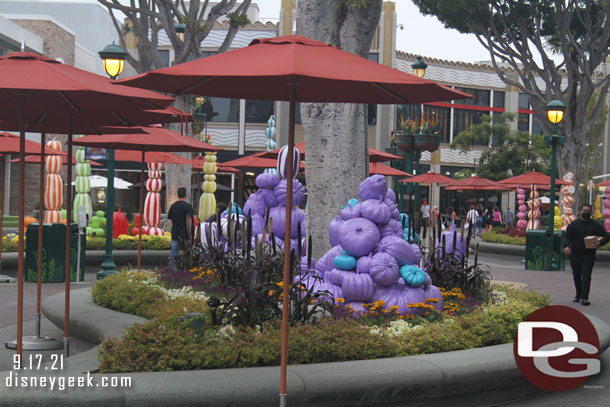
{"x":603,"y":184}
{"x":32,"y":159}
{"x":255,"y":161}
{"x":151,"y":157}
{"x":476,"y":183}
{"x":157,"y":139}
{"x":37,"y":90}
{"x":198,"y":161}
{"x":382,"y":169}
{"x":294,"y":69}
{"x":374,"y":155}
{"x":429,"y":177}
{"x":531,"y":178}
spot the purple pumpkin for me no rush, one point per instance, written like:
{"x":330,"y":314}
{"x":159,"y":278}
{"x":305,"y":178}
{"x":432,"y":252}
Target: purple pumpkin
{"x":258,"y":222}
{"x":336,"y":276}
{"x":416,"y":252}
{"x":363,"y":265}
{"x":384,"y":269}
{"x":374,"y":187}
{"x":401,"y":296}
{"x":308,"y":281}
{"x":358,"y":287}
{"x":333,"y":230}
{"x":433,"y":292}
{"x":392,"y":228}
{"x":395,"y":214}
{"x":267,"y":180}
{"x":359,"y":236}
{"x":334,"y":292}
{"x":375,"y":211}
{"x":255,"y":205}
{"x":307,"y":267}
{"x":298,"y":192}
{"x":278,"y":214}
{"x":428,"y":281}
{"x":350,"y":212}
{"x":330,"y":257}
{"x":269,"y":196}
{"x":461,"y":244}
{"x":397,"y":248}
{"x":390,"y":195}
{"x":391,"y":204}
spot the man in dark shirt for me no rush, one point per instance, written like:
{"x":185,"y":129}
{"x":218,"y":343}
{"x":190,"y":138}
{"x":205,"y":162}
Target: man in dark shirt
{"x":181,"y":215}
{"x":581,"y":258}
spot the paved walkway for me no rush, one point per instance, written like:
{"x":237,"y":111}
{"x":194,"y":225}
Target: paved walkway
{"x":503,"y":268}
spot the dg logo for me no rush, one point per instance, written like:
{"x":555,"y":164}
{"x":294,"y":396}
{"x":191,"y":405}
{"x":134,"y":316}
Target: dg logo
{"x":557,"y":348}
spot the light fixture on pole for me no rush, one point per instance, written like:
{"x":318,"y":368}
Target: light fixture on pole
{"x":180,"y":28}
{"x":114,"y":57}
{"x":419,"y":67}
{"x":419,"y":70}
{"x":554,"y":112}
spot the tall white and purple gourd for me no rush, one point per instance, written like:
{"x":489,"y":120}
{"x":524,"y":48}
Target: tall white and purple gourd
{"x":82,"y":183}
{"x":54,"y":192}
{"x":521,"y":223}
{"x":607,"y":209}
{"x":282,"y":162}
{"x":207,"y":202}
{"x":152,"y":203}
{"x":271,"y":133}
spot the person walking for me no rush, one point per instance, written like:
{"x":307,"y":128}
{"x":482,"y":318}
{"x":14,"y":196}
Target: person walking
{"x":425,"y":217}
{"x":497,"y":217}
{"x":581,"y":257}
{"x":509,"y":217}
{"x":472,"y":220}
{"x":181,"y":214}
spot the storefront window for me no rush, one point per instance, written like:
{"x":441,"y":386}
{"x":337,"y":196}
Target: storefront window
{"x":224,"y":110}
{"x":463,"y":119}
{"x":258,"y":111}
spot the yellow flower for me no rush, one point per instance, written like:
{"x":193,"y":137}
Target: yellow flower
{"x":271,"y":292}
{"x":394,"y":307}
{"x":340,"y":300}
{"x":312,"y":301}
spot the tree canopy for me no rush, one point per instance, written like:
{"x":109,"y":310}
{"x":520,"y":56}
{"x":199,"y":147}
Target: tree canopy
{"x":524,"y":36}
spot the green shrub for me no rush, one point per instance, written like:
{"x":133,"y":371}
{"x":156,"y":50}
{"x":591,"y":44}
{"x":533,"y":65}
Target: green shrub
{"x":492,"y":237}
{"x":167,"y":344}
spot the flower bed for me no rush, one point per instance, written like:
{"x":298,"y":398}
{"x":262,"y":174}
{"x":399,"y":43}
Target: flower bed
{"x":514,"y":237}
{"x":124,"y":242}
{"x":167,"y":343}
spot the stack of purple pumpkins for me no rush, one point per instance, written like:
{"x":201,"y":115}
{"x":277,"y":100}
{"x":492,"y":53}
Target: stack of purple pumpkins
{"x":370,"y":260}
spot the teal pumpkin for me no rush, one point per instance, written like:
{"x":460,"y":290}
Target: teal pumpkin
{"x":344,"y":262}
{"x":413,"y":275}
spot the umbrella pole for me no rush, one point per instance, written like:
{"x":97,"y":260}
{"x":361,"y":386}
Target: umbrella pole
{"x":20,"y":259}
{"x":68,"y":241}
{"x":141,"y":211}
{"x":40,"y":233}
{"x":287,"y":240}
{"x":2,"y":179}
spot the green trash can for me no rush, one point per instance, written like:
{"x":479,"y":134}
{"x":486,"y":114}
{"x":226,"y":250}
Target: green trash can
{"x":535,"y":248}
{"x":53,"y":253}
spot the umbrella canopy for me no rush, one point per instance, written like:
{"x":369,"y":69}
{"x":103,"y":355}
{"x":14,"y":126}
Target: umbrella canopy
{"x":382,"y":169}
{"x":33,"y":159}
{"x":264,"y":70}
{"x":429,"y":177}
{"x":531,"y":178}
{"x":603,"y":184}
{"x":155,"y":139}
{"x":198,"y":161}
{"x":374,"y":155}
{"x":476,"y":183}
{"x":255,"y":161}
{"x":150,"y":157}
{"x":9,"y":144}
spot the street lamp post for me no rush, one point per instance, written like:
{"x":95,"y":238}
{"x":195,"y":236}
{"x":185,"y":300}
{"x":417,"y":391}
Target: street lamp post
{"x":554,"y":111}
{"x":419,"y":70}
{"x":114,"y":57}
{"x":180,"y":28}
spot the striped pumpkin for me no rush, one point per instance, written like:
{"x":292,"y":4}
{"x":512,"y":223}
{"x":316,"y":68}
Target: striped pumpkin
{"x":152,"y":203}
{"x":53,"y":194}
{"x":52,"y":216}
{"x":82,"y":169}
{"x":83,"y":185}
{"x":152,"y":209}
{"x":54,"y":144}
{"x":154,"y":185}
{"x":85,"y":201}
{"x":207,"y":202}
{"x":154,"y":166}
{"x":207,"y":206}
{"x":282,"y":162}
{"x":53,"y":164}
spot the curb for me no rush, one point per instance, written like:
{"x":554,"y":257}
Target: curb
{"x":479,"y":377}
{"x":515,"y":250}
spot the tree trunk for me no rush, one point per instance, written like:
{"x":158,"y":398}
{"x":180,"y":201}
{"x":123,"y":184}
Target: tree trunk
{"x":334,"y":133}
{"x":177,"y":175}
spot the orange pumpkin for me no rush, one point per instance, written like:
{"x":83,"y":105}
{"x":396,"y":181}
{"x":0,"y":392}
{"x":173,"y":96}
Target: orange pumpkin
{"x":28,"y":220}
